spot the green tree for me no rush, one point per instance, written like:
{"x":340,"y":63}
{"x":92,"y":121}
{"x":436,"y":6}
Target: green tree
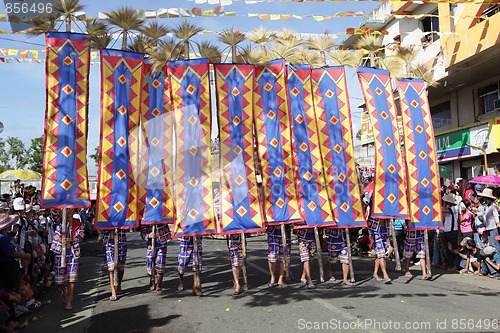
{"x":35,"y":154}
{"x":4,"y":157}
{"x":95,"y":157}
{"x":17,"y":153}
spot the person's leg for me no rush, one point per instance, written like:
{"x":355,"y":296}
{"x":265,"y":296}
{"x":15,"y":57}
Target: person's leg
{"x":71,"y":293}
{"x":161,"y":254}
{"x":236,"y":279}
{"x":112,"y":284}
{"x":121,"y":272}
{"x":307,"y":271}
{"x":281,"y":277}
{"x":423,"y":268}
{"x":272,"y":268}
{"x":375,"y":269}
{"x":345,"y":273}
{"x":384,"y":270}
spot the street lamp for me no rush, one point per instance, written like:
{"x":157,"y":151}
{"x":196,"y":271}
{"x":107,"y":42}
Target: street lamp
{"x":485,"y":157}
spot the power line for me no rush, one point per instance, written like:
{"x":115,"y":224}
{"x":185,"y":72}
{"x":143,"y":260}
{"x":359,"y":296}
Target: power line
{"x":21,"y":41}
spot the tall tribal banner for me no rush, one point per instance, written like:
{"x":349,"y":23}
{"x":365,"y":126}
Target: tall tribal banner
{"x":333,"y":113}
{"x":156,"y":204}
{"x":194,"y":204}
{"x":239,"y":207}
{"x":272,"y":127}
{"x":121,"y":85}
{"x":310,"y":177}
{"x":389,"y":195}
{"x":421,"y":156}
{"x":64,"y":180}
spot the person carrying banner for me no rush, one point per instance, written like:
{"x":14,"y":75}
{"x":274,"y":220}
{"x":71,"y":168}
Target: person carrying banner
{"x":161,"y":235}
{"x":275,"y":251}
{"x":235,"y":247}
{"x":109,"y":245}
{"x":71,"y":239}
{"x":186,"y":254}
{"x":307,"y":247}
{"x":337,"y":251}
{"x":414,"y":243}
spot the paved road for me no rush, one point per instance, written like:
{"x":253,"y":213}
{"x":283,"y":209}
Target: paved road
{"x":369,"y":306}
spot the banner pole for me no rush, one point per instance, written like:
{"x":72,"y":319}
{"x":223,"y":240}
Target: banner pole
{"x":244,"y":268}
{"x":117,"y":248}
{"x":64,"y":227}
{"x":320,"y":260}
{"x":152,"y":278}
{"x":285,"y":251}
{"x":349,"y":256}
{"x":197,"y":262}
{"x":427,"y":254}
{"x":395,"y":245}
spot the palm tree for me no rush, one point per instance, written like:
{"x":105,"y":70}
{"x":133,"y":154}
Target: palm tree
{"x":304,"y":56}
{"x":168,"y":50}
{"x":253,"y":56}
{"x":371,"y":45}
{"x":425,"y":73}
{"x":407,"y":55}
{"x":100,"y":42}
{"x":393,"y":64}
{"x":68,"y":8}
{"x":289,"y":39}
{"x":42,"y":24}
{"x":185,"y":31}
{"x":232,"y":38}
{"x":261,"y":37}
{"x":153,"y":33}
{"x":322,"y":44}
{"x":210,"y":51}
{"x":127,"y":19}
{"x":345,"y":57}
{"x":98,"y":33}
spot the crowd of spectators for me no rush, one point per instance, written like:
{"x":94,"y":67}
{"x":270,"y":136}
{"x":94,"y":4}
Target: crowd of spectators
{"x":26,"y":260}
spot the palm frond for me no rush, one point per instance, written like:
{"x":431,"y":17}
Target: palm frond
{"x":425,"y":73}
{"x":126,"y":18}
{"x":232,"y":37}
{"x":253,"y":56}
{"x":345,"y":57}
{"x":261,"y":37}
{"x":304,"y":56}
{"x":289,"y":39}
{"x":138,"y":45}
{"x":168,"y":50}
{"x":67,"y":7}
{"x":283,"y":51}
{"x":154,"y":30}
{"x":208,"y":50}
{"x":100,"y":42}
{"x":42,"y":24}
{"x":95,"y":27}
{"x":393,"y":65}
{"x":321,"y":43}
{"x":185,"y":31}
{"x":370,"y":43}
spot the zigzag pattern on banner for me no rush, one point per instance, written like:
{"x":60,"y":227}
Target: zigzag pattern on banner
{"x":194,"y":204}
{"x":272,"y":127}
{"x":64,"y":175}
{"x":421,"y":157}
{"x":310,"y":177}
{"x":336,"y":141}
{"x":389,"y":198}
{"x":239,"y":206}
{"x":121,"y":85}
{"x":156,"y":203}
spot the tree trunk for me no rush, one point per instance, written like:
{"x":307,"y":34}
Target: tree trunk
{"x":323,"y":57}
{"x":186,"y":49}
{"x":233,"y":53}
{"x":68,"y":22}
{"x":124,"y":40}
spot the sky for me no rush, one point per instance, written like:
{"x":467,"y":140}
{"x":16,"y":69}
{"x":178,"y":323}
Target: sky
{"x":22,"y":85}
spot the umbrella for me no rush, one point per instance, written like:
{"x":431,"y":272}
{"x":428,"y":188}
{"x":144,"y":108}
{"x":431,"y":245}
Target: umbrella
{"x":23,"y":174}
{"x":490,"y":180}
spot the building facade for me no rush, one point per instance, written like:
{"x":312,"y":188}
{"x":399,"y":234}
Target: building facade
{"x":460,"y":43}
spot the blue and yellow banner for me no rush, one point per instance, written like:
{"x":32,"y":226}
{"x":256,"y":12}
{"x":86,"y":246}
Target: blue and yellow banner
{"x":156,"y":203}
{"x":272,"y":128}
{"x":389,"y":198}
{"x":421,"y":156}
{"x":194,"y":204}
{"x":333,"y":113}
{"x":310,"y":176}
{"x":121,"y":85}
{"x":239,"y":205}
{"x":64,"y":168}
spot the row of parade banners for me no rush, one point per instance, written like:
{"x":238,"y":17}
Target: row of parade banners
{"x":155,"y":162}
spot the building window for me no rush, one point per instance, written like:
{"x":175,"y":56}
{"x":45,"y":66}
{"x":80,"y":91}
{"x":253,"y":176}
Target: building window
{"x":441,"y":115}
{"x":489,"y":98}
{"x":430,"y":26}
